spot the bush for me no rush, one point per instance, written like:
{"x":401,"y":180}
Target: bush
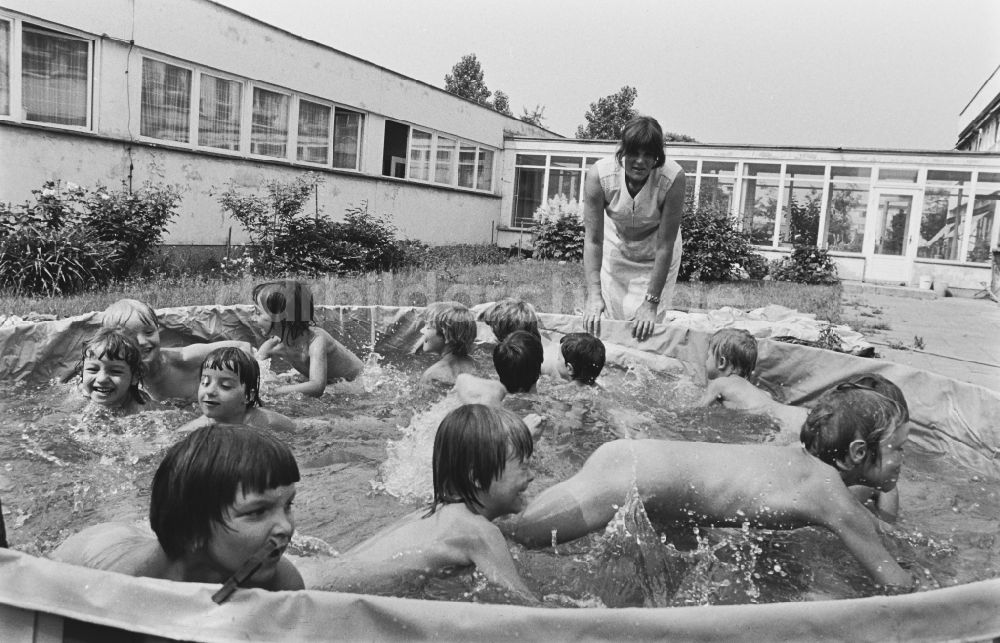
{"x":71,"y":239}
{"x":806,"y":265}
{"x":559,"y":230}
{"x":714,"y":250}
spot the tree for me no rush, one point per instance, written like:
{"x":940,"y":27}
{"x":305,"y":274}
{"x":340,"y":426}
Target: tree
{"x":607,"y":117}
{"x":466,"y":80}
{"x":501,"y":103}
{"x":534,"y":117}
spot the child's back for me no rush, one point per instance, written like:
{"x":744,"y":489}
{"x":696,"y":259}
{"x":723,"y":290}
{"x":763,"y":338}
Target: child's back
{"x":449,"y":330}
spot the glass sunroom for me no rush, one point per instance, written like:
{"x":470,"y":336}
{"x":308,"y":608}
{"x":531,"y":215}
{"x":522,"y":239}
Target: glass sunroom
{"x":886,"y":216}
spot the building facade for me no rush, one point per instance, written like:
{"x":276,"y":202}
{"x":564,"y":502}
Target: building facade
{"x":979,"y":122}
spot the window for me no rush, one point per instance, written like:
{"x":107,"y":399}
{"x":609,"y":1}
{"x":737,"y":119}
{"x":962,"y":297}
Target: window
{"x":4,"y":67}
{"x":718,"y":179}
{"x":445,"y":160}
{"x":897,"y":175}
{"x":55,"y":73}
{"x":846,"y":208}
{"x":984,"y":217}
{"x":529,"y":179}
{"x":420,"y":155}
{"x":269,"y":126}
{"x":565,"y":177}
{"x":219,"y":109}
{"x":466,"y":166}
{"x":314,"y":133}
{"x":690,"y":172}
{"x":484,"y":178}
{"x":802,"y":204}
{"x":394,"y":149}
{"x":166,"y":101}
{"x":346,"y":138}
{"x":946,"y":198}
{"x":760,"y":201}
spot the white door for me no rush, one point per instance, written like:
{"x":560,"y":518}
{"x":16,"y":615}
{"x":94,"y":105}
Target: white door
{"x":890,"y":238}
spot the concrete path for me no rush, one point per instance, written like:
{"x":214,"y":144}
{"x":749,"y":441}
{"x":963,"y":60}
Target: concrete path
{"x":953,"y":336}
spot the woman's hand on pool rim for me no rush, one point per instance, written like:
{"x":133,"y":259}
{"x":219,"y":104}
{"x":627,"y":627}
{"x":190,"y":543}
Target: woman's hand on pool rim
{"x":592,"y":315}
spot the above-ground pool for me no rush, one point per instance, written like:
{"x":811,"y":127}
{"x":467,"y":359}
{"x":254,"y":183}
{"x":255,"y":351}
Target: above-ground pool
{"x":62,"y":470}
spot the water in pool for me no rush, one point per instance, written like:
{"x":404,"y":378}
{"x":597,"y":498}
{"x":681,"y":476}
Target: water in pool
{"x":359,"y":449}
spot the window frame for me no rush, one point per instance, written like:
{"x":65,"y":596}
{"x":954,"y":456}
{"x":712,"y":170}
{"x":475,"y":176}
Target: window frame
{"x":193,"y":106}
{"x":460,"y":144}
{"x":196,"y":108}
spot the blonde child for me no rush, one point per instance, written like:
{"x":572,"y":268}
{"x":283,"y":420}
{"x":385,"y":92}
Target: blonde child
{"x":229,"y":393}
{"x":111,"y":372}
{"x":449,"y":330}
{"x":851,"y":437}
{"x":508,"y":315}
{"x":481,"y":471}
{"x":220,"y":496}
{"x":167,"y":372}
{"x":286,"y":312}
{"x":732,"y":356}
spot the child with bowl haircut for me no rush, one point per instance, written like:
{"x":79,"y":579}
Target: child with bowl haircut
{"x":220,"y":496}
{"x":449,"y":330}
{"x":285,"y":310}
{"x":167,"y":372}
{"x":732,"y":356}
{"x":481,"y":470}
{"x":583,"y":356}
{"x":510,"y":314}
{"x":229,"y":393}
{"x":111,"y":372}
{"x":851,"y":437}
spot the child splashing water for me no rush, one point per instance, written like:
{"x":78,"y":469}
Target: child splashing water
{"x":286,"y":312}
{"x":480,"y":473}
{"x":851,"y":437}
{"x":168,"y":372}
{"x":111,"y":372}
{"x":229,"y":393}
{"x":220,"y":496}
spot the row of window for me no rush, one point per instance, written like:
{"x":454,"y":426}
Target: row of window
{"x":946,"y":214}
{"x":206,"y":110}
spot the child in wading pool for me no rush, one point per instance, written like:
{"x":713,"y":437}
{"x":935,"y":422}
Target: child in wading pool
{"x":229,"y":393}
{"x":480,"y":472}
{"x":167,"y":372}
{"x":218,"y":497}
{"x":581,"y":359}
{"x":449,"y":330}
{"x":111,"y":372}
{"x":518,"y":362}
{"x":286,"y":311}
{"x":852,"y":436}
{"x":732,"y":356}
{"x":508,"y":315}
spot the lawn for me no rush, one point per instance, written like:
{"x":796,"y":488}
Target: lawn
{"x":550,"y":286}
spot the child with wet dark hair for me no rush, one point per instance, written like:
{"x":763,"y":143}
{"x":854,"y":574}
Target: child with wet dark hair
{"x":449,"y":330}
{"x":167,"y":372}
{"x":221,"y":495}
{"x":851,"y":437}
{"x":229,"y":393}
{"x":583,"y":356}
{"x":286,"y":312}
{"x":111,"y":372}
{"x":481,"y":471}
{"x":731,"y":359}
{"x":508,"y":315}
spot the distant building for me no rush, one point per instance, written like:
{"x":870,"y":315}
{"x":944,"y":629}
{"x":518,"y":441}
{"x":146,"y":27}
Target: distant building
{"x":979,"y":122}
{"x":194,"y":93}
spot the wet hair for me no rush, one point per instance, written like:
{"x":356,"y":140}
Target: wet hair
{"x":471,"y":449}
{"x":847,"y":413}
{"x":453,"y":322}
{"x":118,"y":314}
{"x":112,"y":343}
{"x":199,"y":477}
{"x":882,"y":386}
{"x":508,"y":315}
{"x":642,"y":133}
{"x":518,"y":361}
{"x":585,"y":353}
{"x":739,"y":348}
{"x":289,"y":304}
{"x":246,"y":368}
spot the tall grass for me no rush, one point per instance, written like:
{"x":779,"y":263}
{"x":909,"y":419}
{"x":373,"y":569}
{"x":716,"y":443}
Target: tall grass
{"x":551,"y":286}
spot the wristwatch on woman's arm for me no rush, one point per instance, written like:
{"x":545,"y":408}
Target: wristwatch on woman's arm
{"x":653,"y":299}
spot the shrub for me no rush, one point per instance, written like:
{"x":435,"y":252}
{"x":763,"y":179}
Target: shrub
{"x":559,"y":230}
{"x":714,"y":250}
{"x":36,"y":260}
{"x":806,"y":265}
{"x":365,"y":242}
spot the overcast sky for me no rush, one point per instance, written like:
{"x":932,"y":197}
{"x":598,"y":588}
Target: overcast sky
{"x":850,"y":73}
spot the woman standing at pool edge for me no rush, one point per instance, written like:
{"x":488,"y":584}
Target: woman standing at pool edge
{"x":631,"y":267}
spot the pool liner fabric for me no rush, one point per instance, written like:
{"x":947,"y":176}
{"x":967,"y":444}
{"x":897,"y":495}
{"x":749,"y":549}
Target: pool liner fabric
{"x":41,"y":598}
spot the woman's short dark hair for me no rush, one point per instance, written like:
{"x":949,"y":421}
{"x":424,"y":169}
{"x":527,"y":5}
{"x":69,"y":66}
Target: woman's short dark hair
{"x":642,"y":133}
{"x":199,"y":477}
{"x":246,"y":368}
{"x":471,"y":449}
{"x":518,"y":361}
